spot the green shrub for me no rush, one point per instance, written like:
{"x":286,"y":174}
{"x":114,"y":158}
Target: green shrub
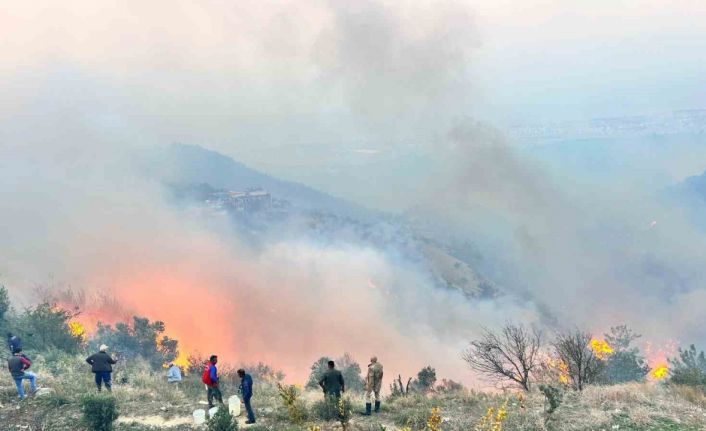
{"x":99,"y":411}
{"x":296,"y":409}
{"x":426,"y":378}
{"x":415,"y":419}
{"x":141,"y":337}
{"x":345,"y":411}
{"x":689,"y":368}
{"x":332,"y":408}
{"x":625,"y":364}
{"x":49,"y":325}
{"x":325,"y":409}
{"x":553,"y":395}
{"x":4,"y":302}
{"x":260,"y":428}
{"x":55,"y":400}
{"x":222,"y":421}
{"x":449,"y":386}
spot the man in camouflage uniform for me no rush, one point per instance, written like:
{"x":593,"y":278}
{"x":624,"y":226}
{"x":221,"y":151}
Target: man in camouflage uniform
{"x":373,"y":383}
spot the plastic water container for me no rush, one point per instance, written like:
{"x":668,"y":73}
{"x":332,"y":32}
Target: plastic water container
{"x":212,"y":411}
{"x":199,"y":416}
{"x":234,"y":405}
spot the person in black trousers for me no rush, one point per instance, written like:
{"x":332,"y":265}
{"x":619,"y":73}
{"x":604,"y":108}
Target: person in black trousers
{"x":246,"y":392}
{"x":102,"y":366}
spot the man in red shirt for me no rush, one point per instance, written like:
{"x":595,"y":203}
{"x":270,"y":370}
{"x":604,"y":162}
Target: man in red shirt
{"x":18,"y":364}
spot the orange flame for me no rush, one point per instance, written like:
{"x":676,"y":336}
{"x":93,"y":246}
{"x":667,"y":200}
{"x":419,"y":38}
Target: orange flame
{"x":601,"y":349}
{"x":182,"y":359}
{"x":77,"y":329}
{"x":559,"y":369}
{"x":657,"y":358}
{"x":660,"y":372}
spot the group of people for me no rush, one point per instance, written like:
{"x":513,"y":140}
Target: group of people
{"x":101,"y":363}
{"x":18,"y":364}
{"x":333,"y":384}
{"x":213,"y":391}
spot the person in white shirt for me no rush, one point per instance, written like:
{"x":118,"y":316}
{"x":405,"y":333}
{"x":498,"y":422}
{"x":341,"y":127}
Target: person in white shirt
{"x":173,"y":374}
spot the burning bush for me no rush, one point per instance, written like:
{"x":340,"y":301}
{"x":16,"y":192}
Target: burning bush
{"x":584,"y":366}
{"x":625,"y":363}
{"x":49,"y":328}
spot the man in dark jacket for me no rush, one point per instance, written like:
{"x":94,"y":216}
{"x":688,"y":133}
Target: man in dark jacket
{"x":18,"y":364}
{"x":102,"y":365}
{"x":246,"y":392}
{"x":332,"y":381}
{"x":212,"y":389}
{"x":13,"y":342}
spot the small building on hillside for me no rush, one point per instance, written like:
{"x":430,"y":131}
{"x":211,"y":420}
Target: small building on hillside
{"x":247,"y":201}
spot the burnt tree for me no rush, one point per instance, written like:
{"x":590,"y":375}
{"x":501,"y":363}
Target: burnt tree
{"x":511,"y":354}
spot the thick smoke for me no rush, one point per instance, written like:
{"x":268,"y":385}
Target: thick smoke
{"x":84,"y":102}
{"x":89,"y":86}
{"x":86,"y":220}
{"x":591,"y":257}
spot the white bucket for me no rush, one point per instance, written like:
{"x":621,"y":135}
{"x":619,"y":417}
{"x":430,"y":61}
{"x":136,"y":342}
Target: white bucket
{"x":212,"y":411}
{"x":234,"y":405}
{"x":199,"y":416}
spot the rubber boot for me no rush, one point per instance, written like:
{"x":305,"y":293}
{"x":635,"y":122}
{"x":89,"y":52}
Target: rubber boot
{"x":377,"y":406}
{"x":368,"y":407}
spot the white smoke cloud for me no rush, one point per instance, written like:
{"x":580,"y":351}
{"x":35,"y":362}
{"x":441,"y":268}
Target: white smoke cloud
{"x":594,"y":257}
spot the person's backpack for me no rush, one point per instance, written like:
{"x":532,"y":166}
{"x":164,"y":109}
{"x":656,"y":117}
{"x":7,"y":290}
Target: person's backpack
{"x":206,"y":376}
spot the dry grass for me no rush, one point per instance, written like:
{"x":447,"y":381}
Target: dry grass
{"x":630,"y":393}
{"x":147,"y":400}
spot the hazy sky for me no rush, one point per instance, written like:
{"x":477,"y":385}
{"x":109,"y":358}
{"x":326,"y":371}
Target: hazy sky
{"x":340,"y":95}
{"x":543,"y":60}
{"x":240,"y":76}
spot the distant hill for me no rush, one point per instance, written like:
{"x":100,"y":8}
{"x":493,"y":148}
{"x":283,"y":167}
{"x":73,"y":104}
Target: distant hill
{"x":193,"y":172}
{"x":192,"y":164}
{"x":689,"y":194}
{"x":694,"y":186}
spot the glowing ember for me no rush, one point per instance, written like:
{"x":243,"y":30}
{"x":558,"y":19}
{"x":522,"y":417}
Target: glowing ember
{"x":601,"y":349}
{"x":660,"y":372}
{"x":77,"y":330}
